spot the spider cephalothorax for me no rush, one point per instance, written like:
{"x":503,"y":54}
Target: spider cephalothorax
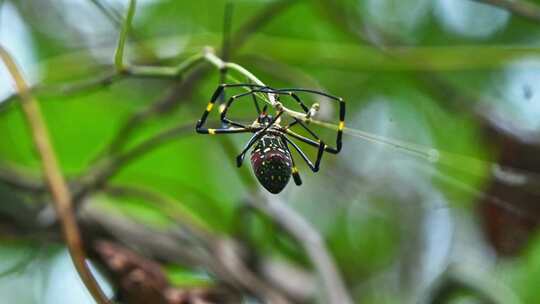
{"x":271,"y":156}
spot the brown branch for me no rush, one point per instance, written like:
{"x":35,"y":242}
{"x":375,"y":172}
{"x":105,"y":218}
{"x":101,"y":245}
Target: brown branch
{"x":142,"y":280}
{"x":525,"y":9}
{"x":219,"y":255}
{"x":54,"y":178}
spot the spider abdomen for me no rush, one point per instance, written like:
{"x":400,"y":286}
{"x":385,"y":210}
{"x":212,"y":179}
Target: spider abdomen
{"x":271,"y":162}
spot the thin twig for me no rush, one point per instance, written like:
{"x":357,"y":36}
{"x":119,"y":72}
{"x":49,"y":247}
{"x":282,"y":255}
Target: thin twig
{"x":55,"y":180}
{"x":520,"y":8}
{"x":119,"y":54}
{"x":108,"y":78}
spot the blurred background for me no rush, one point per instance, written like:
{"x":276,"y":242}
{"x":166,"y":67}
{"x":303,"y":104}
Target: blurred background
{"x":446,"y":213}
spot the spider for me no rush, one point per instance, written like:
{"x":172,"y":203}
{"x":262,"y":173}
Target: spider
{"x":271,"y":158}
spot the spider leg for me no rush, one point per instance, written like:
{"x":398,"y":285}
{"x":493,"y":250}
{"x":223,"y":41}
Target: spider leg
{"x":313,"y":167}
{"x":248,"y":85}
{"x":254,"y":89}
{"x":252,"y":92}
{"x":341,"y":125}
{"x":295,"y":174}
{"x":256,"y":103}
{"x":309,"y":141}
{"x":202,"y":130}
{"x":315,"y":142}
{"x":225,"y":109}
{"x":217,"y":93}
{"x":296,"y":120}
{"x":310,"y":91}
{"x":280,"y":92}
{"x":303,"y":125}
{"x":250,"y":143}
{"x":298,"y":100}
{"x":209,"y":107}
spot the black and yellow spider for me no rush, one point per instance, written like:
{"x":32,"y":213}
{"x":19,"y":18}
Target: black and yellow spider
{"x":271,"y":158}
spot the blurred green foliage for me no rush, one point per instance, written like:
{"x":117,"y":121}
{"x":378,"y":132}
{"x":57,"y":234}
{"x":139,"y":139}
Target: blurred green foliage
{"x":307,"y":39}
